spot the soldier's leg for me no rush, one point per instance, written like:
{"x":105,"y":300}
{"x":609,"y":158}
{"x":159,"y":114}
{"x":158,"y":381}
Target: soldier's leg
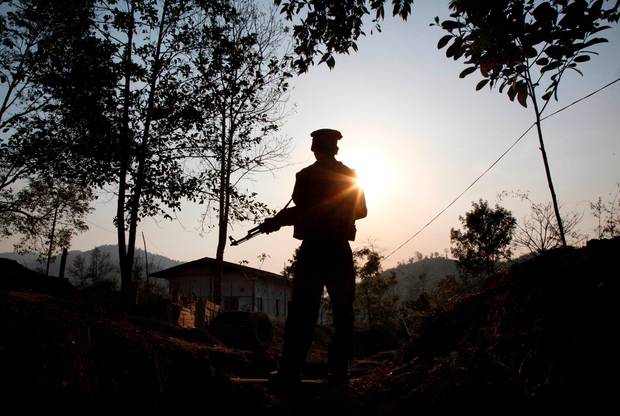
{"x":341,"y":288}
{"x":303,"y":313}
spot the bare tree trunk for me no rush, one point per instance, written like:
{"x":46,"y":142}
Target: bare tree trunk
{"x":140,"y":174}
{"x":369,"y":317}
{"x":225,"y":172}
{"x":124,"y":161}
{"x":146,"y":259}
{"x":556,"y":208}
{"x":223,"y":220}
{"x":51,"y":247}
{"x":63,"y":264}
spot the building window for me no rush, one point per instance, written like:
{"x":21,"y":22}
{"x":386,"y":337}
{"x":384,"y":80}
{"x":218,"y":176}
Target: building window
{"x":277,"y":307}
{"x":259,"y":304}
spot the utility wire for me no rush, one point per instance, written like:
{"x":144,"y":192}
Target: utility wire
{"x":495,"y":163}
{"x":100,"y":227}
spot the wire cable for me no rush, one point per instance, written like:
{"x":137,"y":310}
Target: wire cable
{"x":100,"y":227}
{"x":496,"y":162}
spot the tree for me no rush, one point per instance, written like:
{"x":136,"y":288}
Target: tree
{"x":52,"y":99}
{"x":524,"y":45}
{"x":94,"y":92}
{"x":539,"y":232}
{"x":79,"y":269}
{"x":449,"y":287}
{"x":240,"y":92}
{"x":112,"y":82}
{"x":261,"y":258}
{"x":607,"y":215}
{"x":374,"y":292}
{"x":289,"y":268}
{"x":325,"y":28}
{"x":154,"y":42}
{"x":99,"y":266}
{"x":46,"y":216}
{"x":96,"y":269}
{"x":484,"y":240}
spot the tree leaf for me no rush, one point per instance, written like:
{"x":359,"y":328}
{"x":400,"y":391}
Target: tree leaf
{"x":443,"y":41}
{"x":599,"y":29}
{"x":512,"y":92}
{"x":544,"y":13}
{"x":485,"y":67}
{"x":451,"y":24}
{"x":578,"y":71}
{"x":501,"y":87}
{"x":467,"y":71}
{"x":554,"y":51}
{"x":551,"y":66}
{"x":547,"y":95}
{"x":595,"y":41}
{"x":582,"y":58}
{"x":454,"y":50}
{"x":543,"y":61}
{"x":530,"y":52}
{"x":8,"y":43}
{"x":522,"y":97}
{"x":481,"y":84}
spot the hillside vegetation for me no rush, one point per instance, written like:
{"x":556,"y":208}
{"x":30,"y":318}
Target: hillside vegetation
{"x":422,"y":276}
{"x":537,"y":336}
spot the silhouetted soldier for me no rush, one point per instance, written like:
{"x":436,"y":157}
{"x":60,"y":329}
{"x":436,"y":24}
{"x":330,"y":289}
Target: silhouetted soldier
{"x":327,"y":200}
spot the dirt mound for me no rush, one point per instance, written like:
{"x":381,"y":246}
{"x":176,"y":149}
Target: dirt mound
{"x":14,"y":276}
{"x":69,"y":353}
{"x":538,"y":336}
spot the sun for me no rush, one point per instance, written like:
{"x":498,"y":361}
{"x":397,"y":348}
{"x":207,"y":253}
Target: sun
{"x":374,"y":174}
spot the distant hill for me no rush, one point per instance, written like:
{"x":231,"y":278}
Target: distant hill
{"x":422,"y":276}
{"x":32,"y":262}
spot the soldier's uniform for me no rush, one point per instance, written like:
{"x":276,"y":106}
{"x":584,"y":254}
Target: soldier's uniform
{"x":328,"y":201}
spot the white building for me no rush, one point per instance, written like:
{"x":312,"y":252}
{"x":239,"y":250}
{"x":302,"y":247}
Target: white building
{"x":243,"y":288}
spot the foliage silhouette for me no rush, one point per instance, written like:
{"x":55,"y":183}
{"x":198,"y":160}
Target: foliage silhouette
{"x":522,"y":45}
{"x":484,"y":240}
{"x":333,"y":27}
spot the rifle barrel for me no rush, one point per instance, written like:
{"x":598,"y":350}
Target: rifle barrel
{"x":251,"y":234}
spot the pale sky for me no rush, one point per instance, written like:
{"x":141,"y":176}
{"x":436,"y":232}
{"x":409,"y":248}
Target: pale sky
{"x":407,"y":117}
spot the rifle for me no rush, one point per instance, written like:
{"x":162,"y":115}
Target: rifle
{"x":251,"y":234}
{"x":286,"y":216}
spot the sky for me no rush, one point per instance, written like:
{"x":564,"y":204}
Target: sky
{"x":418,"y":135}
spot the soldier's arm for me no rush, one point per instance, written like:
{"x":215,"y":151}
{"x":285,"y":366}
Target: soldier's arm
{"x":287,"y":216}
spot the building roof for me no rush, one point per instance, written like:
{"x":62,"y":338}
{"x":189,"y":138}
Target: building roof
{"x":210,"y":264}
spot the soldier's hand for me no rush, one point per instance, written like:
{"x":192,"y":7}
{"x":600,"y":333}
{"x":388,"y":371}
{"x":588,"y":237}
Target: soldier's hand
{"x":270,"y":225}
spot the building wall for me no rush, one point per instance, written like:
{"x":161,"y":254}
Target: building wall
{"x":241,"y":290}
{"x":272,"y":297}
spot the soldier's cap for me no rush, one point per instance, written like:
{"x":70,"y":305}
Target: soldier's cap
{"x":325,"y":140}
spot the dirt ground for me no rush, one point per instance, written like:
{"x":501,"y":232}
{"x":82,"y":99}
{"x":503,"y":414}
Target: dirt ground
{"x":538,"y":336}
